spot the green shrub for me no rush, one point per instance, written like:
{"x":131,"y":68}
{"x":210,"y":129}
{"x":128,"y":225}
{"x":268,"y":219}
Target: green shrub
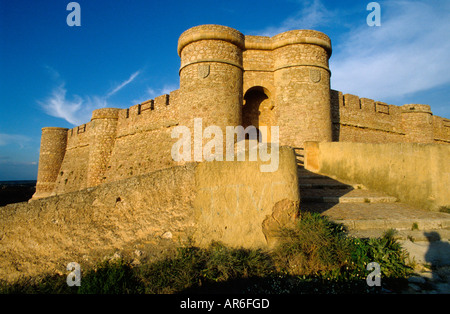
{"x":314,"y":246}
{"x":385,"y":251}
{"x":193,"y":267}
{"x":223,"y":263}
{"x":320,"y":252}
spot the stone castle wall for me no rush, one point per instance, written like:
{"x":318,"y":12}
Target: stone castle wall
{"x":229,"y":201}
{"x":229,"y":79}
{"x":112,"y":181}
{"x":116,"y":144}
{"x":418,"y":174}
{"x":364,"y":120}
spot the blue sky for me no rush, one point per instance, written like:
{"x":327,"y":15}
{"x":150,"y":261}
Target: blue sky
{"x":124,"y":52}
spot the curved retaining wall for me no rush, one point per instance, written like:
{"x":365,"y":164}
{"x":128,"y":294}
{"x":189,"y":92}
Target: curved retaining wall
{"x":229,"y":201}
{"x":418,"y":174}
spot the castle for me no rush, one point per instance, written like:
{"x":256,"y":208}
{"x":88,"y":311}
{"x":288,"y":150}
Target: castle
{"x":228,"y":79}
{"x":128,"y":192}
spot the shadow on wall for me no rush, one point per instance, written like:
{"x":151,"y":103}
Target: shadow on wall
{"x":335,"y":116}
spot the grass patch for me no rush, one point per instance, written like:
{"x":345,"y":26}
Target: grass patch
{"x":316,"y":245}
{"x":194,"y":268}
{"x":110,"y":277}
{"x":316,"y":256}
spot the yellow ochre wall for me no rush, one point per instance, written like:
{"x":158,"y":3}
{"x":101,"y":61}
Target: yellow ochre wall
{"x":229,"y":79}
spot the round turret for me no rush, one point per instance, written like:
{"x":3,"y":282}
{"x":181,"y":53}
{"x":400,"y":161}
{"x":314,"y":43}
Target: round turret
{"x":211,"y":74}
{"x":302,"y":86}
{"x":101,"y":144}
{"x":417,"y":123}
{"x":52,"y":151}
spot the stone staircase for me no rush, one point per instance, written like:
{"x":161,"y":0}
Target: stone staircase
{"x":364,"y":212}
{"x":368,"y":214}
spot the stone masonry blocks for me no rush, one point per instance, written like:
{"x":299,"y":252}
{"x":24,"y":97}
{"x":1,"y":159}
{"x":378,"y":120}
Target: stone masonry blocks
{"x":285,"y":80}
{"x":52,"y":151}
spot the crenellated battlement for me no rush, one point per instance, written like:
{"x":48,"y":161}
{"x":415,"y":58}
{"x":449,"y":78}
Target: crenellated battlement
{"x":229,"y":79}
{"x":147,"y":107}
{"x":366,"y":120}
{"x":134,"y":113}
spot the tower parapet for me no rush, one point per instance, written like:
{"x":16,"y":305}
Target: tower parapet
{"x":417,"y":120}
{"x":211,"y":75}
{"x":302,"y":86}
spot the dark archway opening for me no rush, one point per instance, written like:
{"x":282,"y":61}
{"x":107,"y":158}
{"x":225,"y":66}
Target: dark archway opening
{"x":257,"y":111}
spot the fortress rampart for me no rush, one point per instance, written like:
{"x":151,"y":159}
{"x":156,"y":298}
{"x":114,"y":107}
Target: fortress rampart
{"x":228,"y":201}
{"x":417,"y":174}
{"x":229,"y":79}
{"x":364,"y":120}
{"x":126,"y":188}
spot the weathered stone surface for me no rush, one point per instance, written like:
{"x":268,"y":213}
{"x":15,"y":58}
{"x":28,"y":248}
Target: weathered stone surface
{"x":234,"y":198}
{"x":46,"y":234}
{"x":228,"y":79}
{"x":112,"y":181}
{"x":417,"y":174}
{"x":284,"y":215}
{"x":224,"y":201}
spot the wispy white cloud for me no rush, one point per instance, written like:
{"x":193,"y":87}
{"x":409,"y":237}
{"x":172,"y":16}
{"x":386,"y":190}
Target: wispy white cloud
{"x":53,"y":73}
{"x":123,"y":84}
{"x":311,"y":14}
{"x":77,"y":110}
{"x":151,"y":93}
{"x":15,"y":139}
{"x":166,"y":89}
{"x":10,"y":162}
{"x":408,"y":53}
{"x":58,"y":106}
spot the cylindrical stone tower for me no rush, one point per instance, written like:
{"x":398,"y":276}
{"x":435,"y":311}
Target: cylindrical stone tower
{"x":417,"y":121}
{"x":52,"y":151}
{"x":101,"y":144}
{"x":211,"y":75}
{"x":302,"y":83}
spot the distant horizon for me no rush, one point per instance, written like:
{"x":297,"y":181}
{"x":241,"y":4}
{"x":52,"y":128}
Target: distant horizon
{"x":3,"y":181}
{"x":123,"y":53}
